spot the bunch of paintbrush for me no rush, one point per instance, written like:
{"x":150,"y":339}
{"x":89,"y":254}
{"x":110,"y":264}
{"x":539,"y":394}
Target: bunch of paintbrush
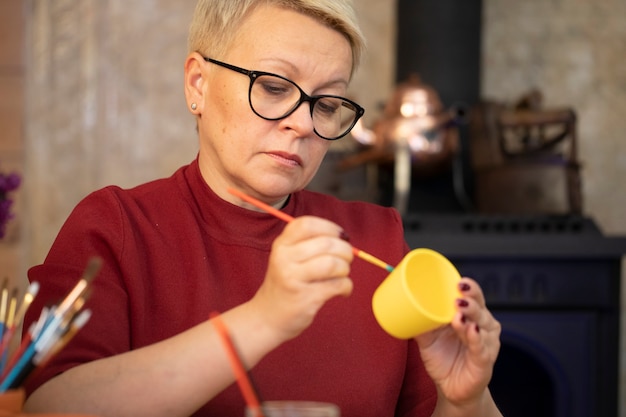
{"x":48,"y":335}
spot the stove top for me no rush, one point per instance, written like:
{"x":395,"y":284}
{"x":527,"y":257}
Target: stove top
{"x":470,"y":224}
{"x":470,"y":234}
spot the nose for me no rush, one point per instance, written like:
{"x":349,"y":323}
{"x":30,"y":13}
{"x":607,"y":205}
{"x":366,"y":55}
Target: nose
{"x":300,"y":120}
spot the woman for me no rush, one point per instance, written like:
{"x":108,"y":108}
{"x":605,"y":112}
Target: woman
{"x":264,"y":80}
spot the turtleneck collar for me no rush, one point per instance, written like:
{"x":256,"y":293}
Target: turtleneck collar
{"x":231,"y":223}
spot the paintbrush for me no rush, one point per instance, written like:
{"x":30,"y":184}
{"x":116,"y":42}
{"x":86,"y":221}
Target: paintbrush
{"x":243,"y":379}
{"x":287,"y":218}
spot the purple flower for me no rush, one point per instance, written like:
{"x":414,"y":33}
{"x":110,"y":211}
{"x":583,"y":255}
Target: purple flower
{"x":8,"y":183}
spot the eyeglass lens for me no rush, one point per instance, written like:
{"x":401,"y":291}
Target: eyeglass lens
{"x":273,"y":97}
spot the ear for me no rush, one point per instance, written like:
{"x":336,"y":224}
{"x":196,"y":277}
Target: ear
{"x":195,"y":82}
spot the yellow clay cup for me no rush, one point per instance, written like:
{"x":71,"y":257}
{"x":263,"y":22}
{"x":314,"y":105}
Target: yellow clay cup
{"x":418,"y":295}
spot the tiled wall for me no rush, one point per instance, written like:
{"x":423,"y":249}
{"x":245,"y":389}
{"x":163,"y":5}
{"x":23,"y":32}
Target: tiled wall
{"x":105,"y":84}
{"x":574,"y":51}
{"x":106,"y":97}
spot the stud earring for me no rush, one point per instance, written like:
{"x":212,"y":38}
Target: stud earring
{"x":194,"y":106}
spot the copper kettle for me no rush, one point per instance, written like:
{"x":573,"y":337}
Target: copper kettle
{"x":414,"y":115}
{"x":415,"y":133}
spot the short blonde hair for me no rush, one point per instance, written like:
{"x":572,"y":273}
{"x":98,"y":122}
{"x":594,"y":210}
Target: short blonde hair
{"x":215,"y":23}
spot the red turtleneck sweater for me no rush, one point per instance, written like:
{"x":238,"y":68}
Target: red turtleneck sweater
{"x":174,"y":251}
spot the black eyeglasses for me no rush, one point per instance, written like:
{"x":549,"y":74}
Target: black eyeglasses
{"x":273,"y":97}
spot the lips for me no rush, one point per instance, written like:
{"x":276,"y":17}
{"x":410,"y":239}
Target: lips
{"x":286,"y":158}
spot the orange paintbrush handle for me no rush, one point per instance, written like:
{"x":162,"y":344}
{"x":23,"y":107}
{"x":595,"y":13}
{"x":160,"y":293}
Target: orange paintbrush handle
{"x":287,"y":218}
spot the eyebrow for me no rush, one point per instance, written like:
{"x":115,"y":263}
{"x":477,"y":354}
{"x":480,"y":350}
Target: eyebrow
{"x":337,"y":81}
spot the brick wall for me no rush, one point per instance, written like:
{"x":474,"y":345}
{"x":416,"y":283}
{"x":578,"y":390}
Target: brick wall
{"x":12,"y":75}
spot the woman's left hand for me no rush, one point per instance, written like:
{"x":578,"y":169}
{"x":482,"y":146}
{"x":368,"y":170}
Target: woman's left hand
{"x":460,"y":357}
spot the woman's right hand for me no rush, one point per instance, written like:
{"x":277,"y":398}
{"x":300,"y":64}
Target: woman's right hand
{"x":308,"y":265}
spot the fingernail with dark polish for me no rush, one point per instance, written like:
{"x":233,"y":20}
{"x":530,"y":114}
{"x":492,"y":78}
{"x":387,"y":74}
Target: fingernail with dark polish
{"x":464,"y":286}
{"x":477,"y":329}
{"x":463,"y":319}
{"x":462,"y":303}
{"x":344,"y":236}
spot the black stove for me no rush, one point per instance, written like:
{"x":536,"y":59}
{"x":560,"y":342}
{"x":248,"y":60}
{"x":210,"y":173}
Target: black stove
{"x":554,"y":284}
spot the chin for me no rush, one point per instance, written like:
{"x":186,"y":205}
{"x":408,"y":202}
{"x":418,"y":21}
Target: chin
{"x":273,"y":190}
{"x":281,"y":186}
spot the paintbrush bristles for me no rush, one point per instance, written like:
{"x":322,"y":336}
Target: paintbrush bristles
{"x":4,"y":301}
{"x":32,"y":291}
{"x":12,"y":308}
{"x":93,"y":267}
{"x":91,"y":270}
